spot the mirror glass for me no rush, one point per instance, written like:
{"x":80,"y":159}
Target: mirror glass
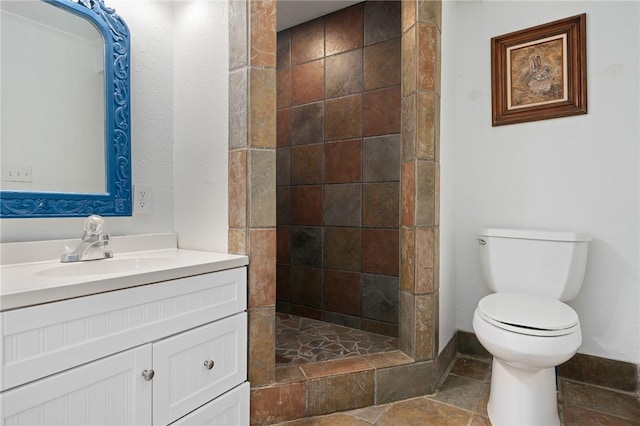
{"x":65,"y":109}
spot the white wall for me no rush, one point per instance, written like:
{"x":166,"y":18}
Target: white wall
{"x":575,"y":173}
{"x":178,"y":126}
{"x":201,"y":92}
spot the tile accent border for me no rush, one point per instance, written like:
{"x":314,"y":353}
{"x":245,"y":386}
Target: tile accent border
{"x":582,"y":368}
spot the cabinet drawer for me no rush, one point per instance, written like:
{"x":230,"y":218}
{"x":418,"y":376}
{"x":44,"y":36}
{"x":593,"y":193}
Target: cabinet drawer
{"x":232,"y":408}
{"x":183,"y":378}
{"x":42,"y":340}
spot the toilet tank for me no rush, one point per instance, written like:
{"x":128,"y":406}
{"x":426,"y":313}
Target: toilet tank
{"x":546,"y":263}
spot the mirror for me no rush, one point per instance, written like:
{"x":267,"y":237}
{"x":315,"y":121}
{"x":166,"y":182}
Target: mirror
{"x":65,"y":117}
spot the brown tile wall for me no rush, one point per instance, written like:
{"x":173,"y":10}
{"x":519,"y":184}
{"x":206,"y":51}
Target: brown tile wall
{"x":338,"y":167}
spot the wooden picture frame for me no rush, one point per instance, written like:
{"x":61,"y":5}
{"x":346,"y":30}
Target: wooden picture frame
{"x":540,"y":72}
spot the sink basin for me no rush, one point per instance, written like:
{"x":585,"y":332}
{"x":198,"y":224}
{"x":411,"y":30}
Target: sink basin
{"x":107,"y":266}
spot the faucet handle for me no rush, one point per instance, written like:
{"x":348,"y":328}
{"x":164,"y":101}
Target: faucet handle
{"x":93,"y":225}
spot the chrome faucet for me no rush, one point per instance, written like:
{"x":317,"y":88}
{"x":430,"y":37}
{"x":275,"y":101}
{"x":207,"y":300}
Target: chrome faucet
{"x":93,"y":243}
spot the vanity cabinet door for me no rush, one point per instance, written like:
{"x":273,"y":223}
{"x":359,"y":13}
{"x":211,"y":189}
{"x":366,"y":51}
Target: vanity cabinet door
{"x":110,"y":391}
{"x":232,"y":408}
{"x":196,"y":366}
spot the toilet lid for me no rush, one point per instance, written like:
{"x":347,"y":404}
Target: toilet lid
{"x":528,"y":314}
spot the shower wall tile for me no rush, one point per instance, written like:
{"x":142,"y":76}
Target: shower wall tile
{"x":408,"y":193}
{"x":342,"y":248}
{"x":279,"y":403}
{"x":382,"y":21}
{"x":283,"y":205}
{"x":283,"y":128}
{"x":430,"y":12}
{"x":425,"y":193}
{"x":283,"y":166}
{"x":344,"y":74}
{"x":353,"y":182}
{"x":408,"y":14}
{"x":306,"y":205}
{"x":343,"y":30}
{"x":262,"y":279}
{"x":262,"y":108}
{"x":428,"y":106}
{"x":343,"y":161}
{"x":382,"y":65}
{"x":238,"y":241}
{"x":427,"y":45}
{"x":307,"y":163}
{"x":408,"y":125}
{"x":342,"y":292}
{"x":262,"y":188}
{"x":306,"y":286}
{"x":283,"y":87}
{"x":283,"y":289}
{"x":262,"y":337}
{"x":343,"y":118}
{"x":238,"y":92}
{"x":379,"y":327}
{"x":381,"y":159}
{"x":307,"y":312}
{"x":426,"y":246}
{"x":380,"y":248}
{"x":306,"y":246}
{"x":342,"y":319}
{"x":407,"y":259}
{"x":406,"y":323}
{"x":409,"y":63}
{"x":238,"y":188}
{"x":263,"y":33}
{"x":307,"y":42}
{"x":283,"y":53}
{"x":382,"y":111}
{"x":381,"y":205}
{"x":425,"y":335}
{"x":307,"y":82}
{"x":342,"y":205}
{"x":283,"y":246}
{"x":307,"y":124}
{"x":380,"y":297}
{"x":238,"y":34}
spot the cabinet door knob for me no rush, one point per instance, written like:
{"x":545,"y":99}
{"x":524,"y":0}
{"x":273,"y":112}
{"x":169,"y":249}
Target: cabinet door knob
{"x":209,"y":364}
{"x":148,"y":374}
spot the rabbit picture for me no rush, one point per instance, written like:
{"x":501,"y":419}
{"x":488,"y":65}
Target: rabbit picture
{"x":538,"y":76}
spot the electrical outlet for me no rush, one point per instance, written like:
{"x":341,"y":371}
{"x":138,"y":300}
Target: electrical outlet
{"x":16,"y":174}
{"x":143,"y":200}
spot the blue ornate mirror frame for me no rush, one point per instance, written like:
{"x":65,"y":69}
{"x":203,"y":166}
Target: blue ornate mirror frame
{"x":116,"y":201}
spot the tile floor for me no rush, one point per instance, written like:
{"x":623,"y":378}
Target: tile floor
{"x":461,"y":398}
{"x":301,"y":340}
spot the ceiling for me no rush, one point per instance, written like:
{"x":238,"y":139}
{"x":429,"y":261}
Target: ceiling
{"x":294,"y":12}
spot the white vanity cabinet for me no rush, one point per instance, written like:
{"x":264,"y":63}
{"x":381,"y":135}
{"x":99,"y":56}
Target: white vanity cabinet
{"x":174,"y":351}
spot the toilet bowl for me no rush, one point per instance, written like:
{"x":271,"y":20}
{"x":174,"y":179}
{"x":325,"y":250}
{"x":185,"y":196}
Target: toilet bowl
{"x":523,"y":379}
{"x":524,"y":324}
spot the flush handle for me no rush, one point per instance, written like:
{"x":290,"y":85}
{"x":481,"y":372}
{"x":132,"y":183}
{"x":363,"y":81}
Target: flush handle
{"x":481,"y":242}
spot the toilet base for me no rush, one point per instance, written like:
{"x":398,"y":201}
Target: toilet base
{"x":522,"y":397}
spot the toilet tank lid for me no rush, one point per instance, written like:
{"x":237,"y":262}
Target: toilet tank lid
{"x":534,"y":234}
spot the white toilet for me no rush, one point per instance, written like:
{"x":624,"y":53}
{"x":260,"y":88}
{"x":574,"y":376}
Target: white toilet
{"x":524,"y":324}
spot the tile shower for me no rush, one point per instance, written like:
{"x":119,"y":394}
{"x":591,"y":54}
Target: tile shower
{"x":338,"y":167}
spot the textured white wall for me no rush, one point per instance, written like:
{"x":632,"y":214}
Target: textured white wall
{"x":575,"y":173}
{"x":201,"y":92}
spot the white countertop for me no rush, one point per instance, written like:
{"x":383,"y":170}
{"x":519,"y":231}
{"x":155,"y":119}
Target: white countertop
{"x":136,"y":261}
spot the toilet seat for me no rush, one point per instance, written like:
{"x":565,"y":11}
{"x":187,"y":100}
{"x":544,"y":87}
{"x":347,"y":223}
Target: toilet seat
{"x":528,"y":314}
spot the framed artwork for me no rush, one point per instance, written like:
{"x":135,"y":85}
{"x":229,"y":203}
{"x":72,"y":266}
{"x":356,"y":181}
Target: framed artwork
{"x":540,"y":72}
